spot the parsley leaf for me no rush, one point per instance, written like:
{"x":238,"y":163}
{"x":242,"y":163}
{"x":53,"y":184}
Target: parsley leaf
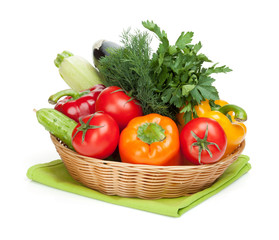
{"x":187,"y":88}
{"x":184,"y":39}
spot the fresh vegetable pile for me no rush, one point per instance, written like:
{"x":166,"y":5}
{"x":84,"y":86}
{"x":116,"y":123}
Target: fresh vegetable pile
{"x":139,"y":106}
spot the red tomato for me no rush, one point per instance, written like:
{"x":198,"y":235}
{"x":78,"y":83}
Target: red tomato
{"x":203,"y":140}
{"x":119,"y":105}
{"x":96,"y":135}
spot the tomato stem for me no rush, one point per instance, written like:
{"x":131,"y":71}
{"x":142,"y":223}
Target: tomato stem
{"x":203,"y":144}
{"x":129,"y":94}
{"x":85,"y":126}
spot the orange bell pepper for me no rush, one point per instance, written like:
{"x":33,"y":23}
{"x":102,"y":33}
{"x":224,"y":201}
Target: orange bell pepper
{"x":151,"y":139}
{"x":235,"y":130}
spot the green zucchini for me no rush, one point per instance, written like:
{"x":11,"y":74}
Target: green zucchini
{"x":57,"y":124}
{"x":76,"y":71}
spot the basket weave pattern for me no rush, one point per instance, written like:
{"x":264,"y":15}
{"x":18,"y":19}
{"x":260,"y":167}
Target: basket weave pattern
{"x":142,"y":181}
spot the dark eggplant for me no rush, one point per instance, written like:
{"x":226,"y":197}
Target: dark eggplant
{"x":100,"y":50}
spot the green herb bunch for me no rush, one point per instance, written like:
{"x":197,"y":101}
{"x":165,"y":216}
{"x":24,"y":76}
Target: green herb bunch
{"x":129,"y":67}
{"x":178,"y":73}
{"x":170,"y":80}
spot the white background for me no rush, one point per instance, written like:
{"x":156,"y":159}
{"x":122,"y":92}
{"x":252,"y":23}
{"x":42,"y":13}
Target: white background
{"x":240,"y":34}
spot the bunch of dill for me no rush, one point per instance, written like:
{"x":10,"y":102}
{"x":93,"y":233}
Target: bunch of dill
{"x":129,"y":67}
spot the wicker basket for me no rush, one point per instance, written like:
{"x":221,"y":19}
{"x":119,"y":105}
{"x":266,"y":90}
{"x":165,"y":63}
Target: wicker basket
{"x":141,"y":181}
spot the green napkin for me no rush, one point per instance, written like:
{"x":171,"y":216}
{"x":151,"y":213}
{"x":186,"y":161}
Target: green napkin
{"x":54,"y":174}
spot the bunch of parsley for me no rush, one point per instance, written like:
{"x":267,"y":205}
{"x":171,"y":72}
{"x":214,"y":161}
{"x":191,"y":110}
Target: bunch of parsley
{"x":178,"y":74}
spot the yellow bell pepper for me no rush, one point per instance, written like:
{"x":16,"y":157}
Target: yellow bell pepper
{"x":235,"y":130}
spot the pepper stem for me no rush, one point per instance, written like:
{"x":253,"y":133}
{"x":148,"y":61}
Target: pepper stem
{"x":240,"y":114}
{"x":151,"y":132}
{"x":53,"y":99}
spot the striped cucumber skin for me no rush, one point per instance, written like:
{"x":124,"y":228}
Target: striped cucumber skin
{"x":57,"y":124}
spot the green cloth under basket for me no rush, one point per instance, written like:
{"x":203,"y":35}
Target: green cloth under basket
{"x":54,"y":174}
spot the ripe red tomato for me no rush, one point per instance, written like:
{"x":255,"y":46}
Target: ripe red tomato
{"x":96,"y":135}
{"x":203,"y":140}
{"x":114,"y":101}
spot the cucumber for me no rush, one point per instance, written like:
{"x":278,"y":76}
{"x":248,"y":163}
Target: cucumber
{"x":57,"y":124}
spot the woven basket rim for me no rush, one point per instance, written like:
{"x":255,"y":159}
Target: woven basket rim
{"x":132,"y":166}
